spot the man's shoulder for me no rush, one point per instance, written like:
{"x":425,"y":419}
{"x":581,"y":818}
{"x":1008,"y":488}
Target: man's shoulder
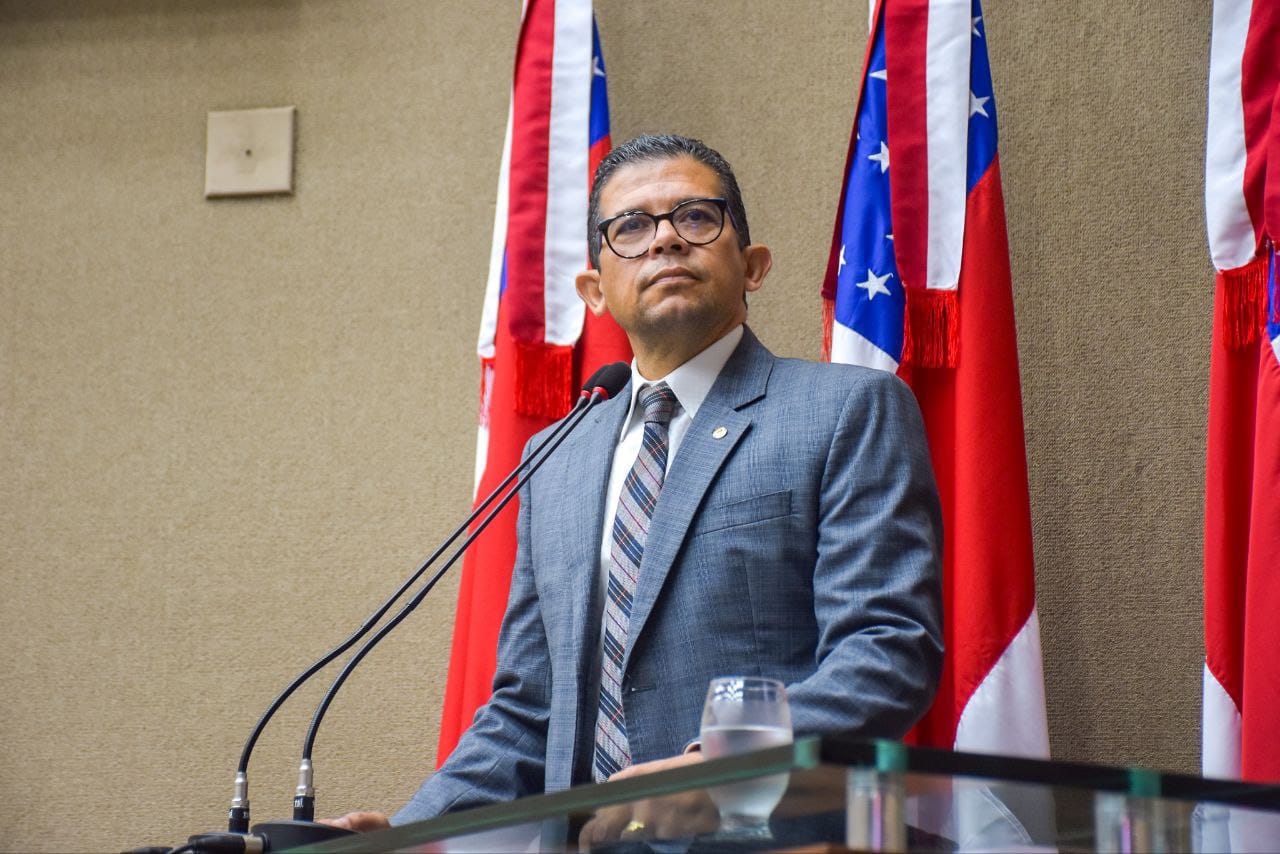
{"x":830,"y":381}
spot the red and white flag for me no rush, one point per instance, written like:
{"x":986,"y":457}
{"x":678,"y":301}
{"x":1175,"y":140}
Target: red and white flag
{"x":537,"y":342}
{"x":918,"y":283}
{"x":1241,"y":713}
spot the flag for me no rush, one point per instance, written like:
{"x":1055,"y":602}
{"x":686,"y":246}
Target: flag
{"x":918,"y":283}
{"x":537,"y":343}
{"x":1241,"y":711}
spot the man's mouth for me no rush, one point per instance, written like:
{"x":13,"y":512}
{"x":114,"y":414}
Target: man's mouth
{"x":670,"y":273}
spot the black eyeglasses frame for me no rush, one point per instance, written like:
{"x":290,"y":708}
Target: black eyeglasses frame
{"x":720,"y":203}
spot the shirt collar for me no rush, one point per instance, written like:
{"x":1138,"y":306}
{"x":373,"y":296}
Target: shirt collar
{"x":692,"y":381}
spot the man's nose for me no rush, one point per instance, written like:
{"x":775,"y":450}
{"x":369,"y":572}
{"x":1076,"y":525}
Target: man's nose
{"x":667,"y":239}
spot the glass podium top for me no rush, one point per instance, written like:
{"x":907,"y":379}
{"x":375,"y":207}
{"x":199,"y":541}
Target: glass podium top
{"x":830,"y":795}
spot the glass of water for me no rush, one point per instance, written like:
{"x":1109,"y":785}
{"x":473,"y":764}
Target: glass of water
{"x":742,"y":714}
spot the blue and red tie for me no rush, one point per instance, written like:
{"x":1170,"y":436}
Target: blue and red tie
{"x":630,"y":529}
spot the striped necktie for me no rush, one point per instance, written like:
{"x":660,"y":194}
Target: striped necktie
{"x":630,"y":529}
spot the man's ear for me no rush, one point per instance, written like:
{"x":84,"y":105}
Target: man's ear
{"x":759,"y":260}
{"x":588,"y":284}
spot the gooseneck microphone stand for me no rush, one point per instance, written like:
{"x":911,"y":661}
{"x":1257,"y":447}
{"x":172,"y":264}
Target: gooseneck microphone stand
{"x":302,"y":829}
{"x":603,"y":384}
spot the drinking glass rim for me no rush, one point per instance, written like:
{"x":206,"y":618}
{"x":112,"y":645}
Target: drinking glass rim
{"x":738,"y":689}
{"x":749,"y":679}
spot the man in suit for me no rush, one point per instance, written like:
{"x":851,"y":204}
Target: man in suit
{"x":730,"y":513}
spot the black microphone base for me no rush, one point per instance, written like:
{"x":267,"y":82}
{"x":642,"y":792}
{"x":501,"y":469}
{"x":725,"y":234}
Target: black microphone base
{"x":279,"y":835}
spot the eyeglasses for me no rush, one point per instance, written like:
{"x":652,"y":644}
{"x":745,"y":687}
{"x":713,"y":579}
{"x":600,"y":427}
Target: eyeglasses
{"x":697,"y":221}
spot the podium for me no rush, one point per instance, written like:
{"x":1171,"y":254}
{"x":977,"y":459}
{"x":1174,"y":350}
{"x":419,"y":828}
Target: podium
{"x":847,"y":795}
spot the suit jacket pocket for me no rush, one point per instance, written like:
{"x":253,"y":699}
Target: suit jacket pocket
{"x":755,"y":509}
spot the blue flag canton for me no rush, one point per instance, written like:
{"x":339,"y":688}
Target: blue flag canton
{"x":599,"y":122}
{"x":982,"y":105}
{"x":869,"y":294}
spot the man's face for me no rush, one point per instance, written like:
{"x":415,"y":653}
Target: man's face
{"x":674,"y":287}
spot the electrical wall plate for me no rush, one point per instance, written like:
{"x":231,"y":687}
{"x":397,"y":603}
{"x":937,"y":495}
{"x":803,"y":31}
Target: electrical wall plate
{"x":249,"y":152}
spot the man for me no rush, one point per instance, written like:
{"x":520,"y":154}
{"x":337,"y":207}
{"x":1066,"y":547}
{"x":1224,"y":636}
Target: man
{"x":734,"y":513}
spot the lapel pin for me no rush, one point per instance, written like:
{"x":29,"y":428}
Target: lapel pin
{"x":719,"y":433}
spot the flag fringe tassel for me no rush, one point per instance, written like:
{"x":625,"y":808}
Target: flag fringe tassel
{"x":931,"y":328}
{"x":1243,"y":294}
{"x":544,"y":379}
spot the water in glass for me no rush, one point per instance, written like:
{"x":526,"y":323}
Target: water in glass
{"x":743,"y":714}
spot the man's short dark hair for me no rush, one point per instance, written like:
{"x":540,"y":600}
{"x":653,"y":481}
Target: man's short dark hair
{"x":648,"y":147}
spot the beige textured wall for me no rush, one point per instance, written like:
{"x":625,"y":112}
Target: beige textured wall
{"x":229,"y":428}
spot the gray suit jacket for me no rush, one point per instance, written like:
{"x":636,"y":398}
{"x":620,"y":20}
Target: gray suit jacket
{"x":804,"y":544}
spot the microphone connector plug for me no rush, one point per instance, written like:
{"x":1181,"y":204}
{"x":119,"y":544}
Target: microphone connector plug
{"x":304,"y":798}
{"x":238,"y":816}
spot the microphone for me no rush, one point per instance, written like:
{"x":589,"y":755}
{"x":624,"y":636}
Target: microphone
{"x":605,"y":383}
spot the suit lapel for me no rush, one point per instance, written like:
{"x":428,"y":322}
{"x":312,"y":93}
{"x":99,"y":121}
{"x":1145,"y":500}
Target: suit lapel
{"x":702,"y":453}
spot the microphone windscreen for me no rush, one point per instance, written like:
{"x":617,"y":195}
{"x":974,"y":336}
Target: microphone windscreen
{"x":594,"y":379}
{"x":612,"y":378}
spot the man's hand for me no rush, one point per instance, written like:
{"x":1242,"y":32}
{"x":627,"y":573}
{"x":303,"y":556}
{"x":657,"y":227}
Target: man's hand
{"x":360,"y":822}
{"x":658,"y":765}
{"x":685,"y":814}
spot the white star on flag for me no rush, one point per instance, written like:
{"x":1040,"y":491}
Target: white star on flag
{"x":875,"y":284}
{"x":975,"y":26}
{"x":596,"y":70}
{"x":882,"y":74}
{"x":882,"y":158}
{"x":840,"y":266}
{"x":977,"y":106}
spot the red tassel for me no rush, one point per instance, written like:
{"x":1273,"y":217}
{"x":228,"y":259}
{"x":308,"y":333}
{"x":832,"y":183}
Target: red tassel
{"x":931,"y":328}
{"x":828,"y":318}
{"x":1242,"y":294}
{"x":544,"y":380}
